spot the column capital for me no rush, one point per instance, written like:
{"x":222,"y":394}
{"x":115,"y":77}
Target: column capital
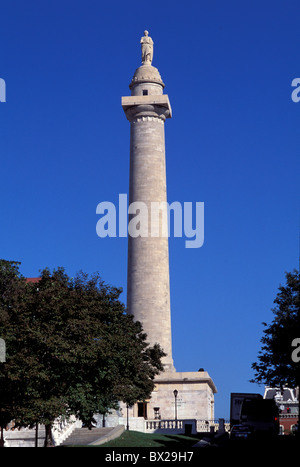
{"x":147,"y":106}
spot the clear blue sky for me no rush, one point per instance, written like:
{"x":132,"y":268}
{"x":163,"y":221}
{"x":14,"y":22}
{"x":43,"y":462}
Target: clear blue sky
{"x":233,"y":143}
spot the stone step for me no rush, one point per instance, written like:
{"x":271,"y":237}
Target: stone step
{"x":84,"y":436}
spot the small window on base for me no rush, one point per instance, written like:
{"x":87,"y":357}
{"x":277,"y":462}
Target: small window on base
{"x":145,"y":92}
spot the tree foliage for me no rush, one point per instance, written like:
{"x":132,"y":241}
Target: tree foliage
{"x":71,"y":348}
{"x":275,"y":366}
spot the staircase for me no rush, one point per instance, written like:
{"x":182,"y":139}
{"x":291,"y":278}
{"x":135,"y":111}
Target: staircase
{"x":84,"y":436}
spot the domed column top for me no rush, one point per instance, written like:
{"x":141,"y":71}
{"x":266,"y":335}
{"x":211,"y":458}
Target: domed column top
{"x":147,"y":98}
{"x":146,"y":79}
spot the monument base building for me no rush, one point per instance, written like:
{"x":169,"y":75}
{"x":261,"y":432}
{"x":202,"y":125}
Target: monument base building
{"x":177,"y":396}
{"x":193,"y":404}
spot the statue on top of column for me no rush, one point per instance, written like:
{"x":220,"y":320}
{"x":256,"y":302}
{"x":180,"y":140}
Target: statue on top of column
{"x":147,"y":49}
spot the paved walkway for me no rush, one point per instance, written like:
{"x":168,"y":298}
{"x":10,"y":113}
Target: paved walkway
{"x":95,"y":436}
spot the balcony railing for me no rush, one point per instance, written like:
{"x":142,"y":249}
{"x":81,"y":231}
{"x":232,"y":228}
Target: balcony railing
{"x":288,"y":415}
{"x":164,"y":425}
{"x":179,"y":425}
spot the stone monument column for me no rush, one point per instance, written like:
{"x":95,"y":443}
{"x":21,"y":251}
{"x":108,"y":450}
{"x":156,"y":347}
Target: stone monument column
{"x":148,"y":288}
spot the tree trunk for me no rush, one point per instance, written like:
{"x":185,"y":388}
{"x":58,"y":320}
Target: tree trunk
{"x":36,"y":444}
{"x":49,"y":442}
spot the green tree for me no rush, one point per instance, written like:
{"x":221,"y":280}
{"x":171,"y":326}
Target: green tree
{"x":71,"y":348}
{"x":12,"y":299}
{"x":275,"y":366}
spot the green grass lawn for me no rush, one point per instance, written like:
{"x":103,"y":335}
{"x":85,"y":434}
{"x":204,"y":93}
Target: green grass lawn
{"x":136,"y":439}
{"x":143,"y":440}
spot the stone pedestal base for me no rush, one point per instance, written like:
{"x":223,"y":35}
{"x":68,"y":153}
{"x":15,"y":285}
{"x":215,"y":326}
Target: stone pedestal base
{"x":194,"y":401}
{"x":195,"y":396}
